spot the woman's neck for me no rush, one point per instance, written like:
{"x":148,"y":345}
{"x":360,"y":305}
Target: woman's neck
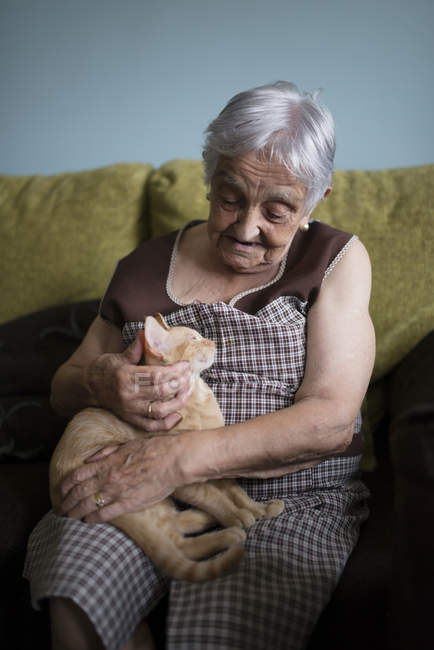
{"x":199,"y":275}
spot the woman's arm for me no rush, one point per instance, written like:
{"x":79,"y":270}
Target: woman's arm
{"x":340,"y":356}
{"x":70,"y":390}
{"x":101,"y":372}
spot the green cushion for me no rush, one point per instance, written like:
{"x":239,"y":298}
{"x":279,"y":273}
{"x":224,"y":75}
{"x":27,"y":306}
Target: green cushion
{"x":177,"y":194}
{"x":61,"y":236}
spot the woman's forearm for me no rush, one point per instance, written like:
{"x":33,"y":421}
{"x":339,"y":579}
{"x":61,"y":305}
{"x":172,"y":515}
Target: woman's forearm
{"x":270,"y":445}
{"x":70,"y":392}
{"x":143,"y":471}
{"x":78,"y":381}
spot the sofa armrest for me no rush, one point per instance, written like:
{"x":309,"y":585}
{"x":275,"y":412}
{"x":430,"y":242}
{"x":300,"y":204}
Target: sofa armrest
{"x":411,"y":400}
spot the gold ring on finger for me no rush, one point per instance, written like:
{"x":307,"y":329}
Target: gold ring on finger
{"x":99,"y":500}
{"x":149,"y":410}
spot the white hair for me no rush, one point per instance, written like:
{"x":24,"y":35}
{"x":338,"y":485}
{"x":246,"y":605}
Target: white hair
{"x":279,"y":123}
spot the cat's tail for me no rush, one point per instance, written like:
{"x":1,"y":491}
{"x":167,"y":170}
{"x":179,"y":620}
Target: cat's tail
{"x":195,"y":559}
{"x":200,"y":571}
{"x":196,"y":570}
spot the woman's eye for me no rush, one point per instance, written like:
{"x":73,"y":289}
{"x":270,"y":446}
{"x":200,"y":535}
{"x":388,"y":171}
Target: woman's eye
{"x":279,"y":211}
{"x":229,"y":204}
{"x":274,"y":216}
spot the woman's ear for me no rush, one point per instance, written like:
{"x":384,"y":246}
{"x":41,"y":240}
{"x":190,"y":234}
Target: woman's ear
{"x":327,"y":192}
{"x":155,"y":339}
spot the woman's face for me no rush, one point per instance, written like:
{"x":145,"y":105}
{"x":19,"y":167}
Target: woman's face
{"x":256,"y":208}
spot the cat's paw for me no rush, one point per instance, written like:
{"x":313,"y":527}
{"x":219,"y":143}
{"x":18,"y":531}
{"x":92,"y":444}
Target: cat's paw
{"x":274,"y":508}
{"x":245,"y":517}
{"x":235,"y":535}
{"x":194,"y":521}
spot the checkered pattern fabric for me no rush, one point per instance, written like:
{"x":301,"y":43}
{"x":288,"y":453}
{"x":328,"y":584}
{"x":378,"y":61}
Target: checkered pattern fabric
{"x":292,"y":562}
{"x":291,"y":567}
{"x":99,"y":568}
{"x":260,"y":358}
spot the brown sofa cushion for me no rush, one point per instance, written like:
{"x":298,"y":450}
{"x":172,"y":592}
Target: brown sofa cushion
{"x":31,"y":349}
{"x":411,"y":382}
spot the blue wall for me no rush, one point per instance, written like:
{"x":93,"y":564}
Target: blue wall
{"x":86,"y":83}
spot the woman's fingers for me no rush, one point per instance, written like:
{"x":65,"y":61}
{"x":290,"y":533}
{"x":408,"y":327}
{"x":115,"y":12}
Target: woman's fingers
{"x":116,"y":383}
{"x":161,"y":382}
{"x":132,"y":500}
{"x":102,"y":453}
{"x":165,"y":424}
{"x":106,"y":513}
{"x":100,"y":506}
{"x":160,"y":395}
{"x":161,"y":409}
{"x":83,"y":508}
{"x":152,"y":425}
{"x":94,"y":501}
{"x":136,"y":475}
{"x":75,"y":491}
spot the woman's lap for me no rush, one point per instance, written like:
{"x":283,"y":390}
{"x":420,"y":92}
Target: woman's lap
{"x":99,"y":568}
{"x":273,"y":600}
{"x":291,"y":567}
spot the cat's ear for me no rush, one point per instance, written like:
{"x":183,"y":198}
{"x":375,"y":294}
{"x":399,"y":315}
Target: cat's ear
{"x":158,"y":317}
{"x":155,"y":339}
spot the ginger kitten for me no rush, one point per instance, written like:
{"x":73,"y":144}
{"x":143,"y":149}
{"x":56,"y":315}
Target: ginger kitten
{"x":163,"y":531}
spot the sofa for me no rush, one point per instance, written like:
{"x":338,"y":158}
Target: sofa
{"x":60,"y":239}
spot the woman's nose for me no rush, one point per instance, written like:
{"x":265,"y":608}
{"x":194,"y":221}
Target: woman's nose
{"x":247,"y":225}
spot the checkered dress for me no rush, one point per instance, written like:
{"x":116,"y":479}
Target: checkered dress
{"x":292,"y":563}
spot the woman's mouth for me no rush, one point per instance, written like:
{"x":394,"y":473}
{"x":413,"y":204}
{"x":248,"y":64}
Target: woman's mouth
{"x":242,"y":245}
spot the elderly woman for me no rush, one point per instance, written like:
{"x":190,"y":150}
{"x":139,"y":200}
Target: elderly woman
{"x":286,"y":300}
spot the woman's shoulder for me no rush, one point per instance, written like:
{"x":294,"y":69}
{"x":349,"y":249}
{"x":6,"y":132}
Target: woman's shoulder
{"x":320,"y":234}
{"x":351,"y":267}
{"x":314,"y":254}
{"x":311,"y":257}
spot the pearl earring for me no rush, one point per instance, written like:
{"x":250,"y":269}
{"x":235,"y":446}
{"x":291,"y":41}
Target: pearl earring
{"x":304,"y":227}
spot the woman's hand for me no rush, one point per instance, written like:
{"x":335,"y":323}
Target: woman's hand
{"x":146,"y":396}
{"x":128,"y":478}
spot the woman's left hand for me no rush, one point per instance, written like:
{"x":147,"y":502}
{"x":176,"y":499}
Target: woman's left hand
{"x":126,"y":478}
